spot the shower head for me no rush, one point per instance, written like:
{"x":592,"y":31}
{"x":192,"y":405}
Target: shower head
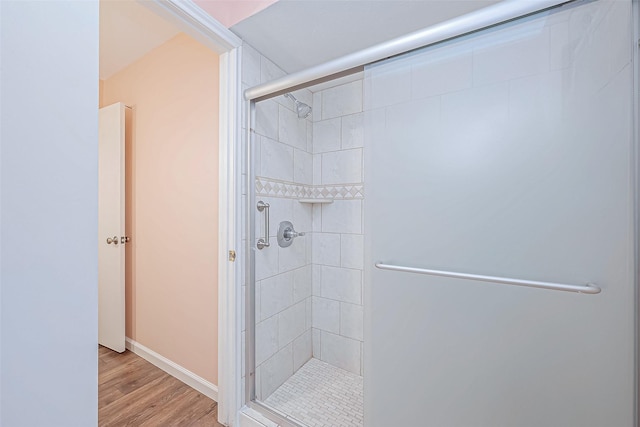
{"x":302,"y":109}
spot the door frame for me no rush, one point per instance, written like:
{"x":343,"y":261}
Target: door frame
{"x":201,"y":26}
{"x":635,"y":11}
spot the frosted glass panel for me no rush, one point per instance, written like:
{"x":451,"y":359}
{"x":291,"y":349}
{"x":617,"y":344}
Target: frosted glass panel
{"x":505,"y":153}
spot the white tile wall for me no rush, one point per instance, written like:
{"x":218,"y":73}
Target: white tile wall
{"x":276,"y":160}
{"x":342,"y":100}
{"x":324,"y":150}
{"x":342,"y":216}
{"x":276,"y":370}
{"x":310,"y":135}
{"x":266,"y":263}
{"x":341,"y":352}
{"x":316,"y":272}
{"x":294,"y":256}
{"x":353,"y":131}
{"x":276,"y":294}
{"x":352,"y":251}
{"x":351,"y":322}
{"x":302,"y":283}
{"x":308,"y":320}
{"x":325,"y":314}
{"x":266,"y":339}
{"x":326,"y":135}
{"x":303,"y":167}
{"x":342,"y":167}
{"x":341,"y":284}
{"x":317,"y":168}
{"x":267,"y":119}
{"x":302,"y":350}
{"x":337,"y":250}
{"x":302,"y":216}
{"x":326,"y":249}
{"x":291,"y":323}
{"x":317,"y":106}
{"x":291,"y":129}
{"x":316,"y":342}
{"x":283,"y":154}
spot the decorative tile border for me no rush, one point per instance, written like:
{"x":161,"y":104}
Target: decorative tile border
{"x":272,"y":188}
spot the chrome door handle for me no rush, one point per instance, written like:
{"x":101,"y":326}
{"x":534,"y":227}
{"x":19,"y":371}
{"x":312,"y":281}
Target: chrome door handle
{"x":113,"y":240}
{"x":264,"y":243}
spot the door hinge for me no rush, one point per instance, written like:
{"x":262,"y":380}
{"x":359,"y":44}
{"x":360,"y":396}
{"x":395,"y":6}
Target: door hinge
{"x":232,"y":256}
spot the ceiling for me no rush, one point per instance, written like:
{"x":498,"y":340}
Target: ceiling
{"x":230,"y":12}
{"x":128,"y":31}
{"x":297,"y":34}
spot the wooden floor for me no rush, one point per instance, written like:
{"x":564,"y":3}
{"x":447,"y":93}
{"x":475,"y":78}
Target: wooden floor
{"x":133,"y":392}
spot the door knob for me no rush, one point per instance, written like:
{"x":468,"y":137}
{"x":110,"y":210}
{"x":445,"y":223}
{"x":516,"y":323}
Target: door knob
{"x":113,"y":240}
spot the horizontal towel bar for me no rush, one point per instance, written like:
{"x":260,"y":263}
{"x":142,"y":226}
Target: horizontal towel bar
{"x":589,"y":288}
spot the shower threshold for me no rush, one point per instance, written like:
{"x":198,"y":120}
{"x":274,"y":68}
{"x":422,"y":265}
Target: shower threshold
{"x":321,"y":395}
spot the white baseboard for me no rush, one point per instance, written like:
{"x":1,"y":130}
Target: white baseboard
{"x":189,"y":378}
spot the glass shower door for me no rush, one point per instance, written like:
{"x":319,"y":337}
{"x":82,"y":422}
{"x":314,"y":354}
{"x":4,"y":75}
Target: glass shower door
{"x":505,"y":153}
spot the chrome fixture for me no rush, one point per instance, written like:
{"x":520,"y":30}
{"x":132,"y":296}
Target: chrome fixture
{"x":302,"y":109}
{"x":264,"y":243}
{"x":500,"y":12}
{"x":286,"y":234}
{"x":589,"y":288}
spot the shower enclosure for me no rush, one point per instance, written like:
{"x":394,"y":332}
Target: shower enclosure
{"x":308,"y":195}
{"x":453,"y":228}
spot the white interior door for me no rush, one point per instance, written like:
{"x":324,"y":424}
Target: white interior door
{"x":111,"y":228}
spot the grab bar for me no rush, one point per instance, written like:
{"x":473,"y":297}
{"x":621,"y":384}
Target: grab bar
{"x":589,"y":288}
{"x":264,"y":243}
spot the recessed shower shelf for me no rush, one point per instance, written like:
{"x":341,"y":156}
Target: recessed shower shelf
{"x":319,"y":201}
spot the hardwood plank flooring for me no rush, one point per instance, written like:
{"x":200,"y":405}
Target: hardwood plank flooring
{"x":133,"y":392}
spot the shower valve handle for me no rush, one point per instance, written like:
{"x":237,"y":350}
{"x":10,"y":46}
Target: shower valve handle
{"x":286,"y":234}
{"x":290,"y":233}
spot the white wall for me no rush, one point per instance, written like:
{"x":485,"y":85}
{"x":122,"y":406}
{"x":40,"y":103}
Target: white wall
{"x":48,"y":160}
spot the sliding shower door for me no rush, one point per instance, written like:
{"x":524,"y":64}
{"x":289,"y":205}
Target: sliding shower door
{"x":506,"y":153}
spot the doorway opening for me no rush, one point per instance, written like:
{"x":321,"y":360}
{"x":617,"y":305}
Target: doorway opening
{"x":164,"y":78}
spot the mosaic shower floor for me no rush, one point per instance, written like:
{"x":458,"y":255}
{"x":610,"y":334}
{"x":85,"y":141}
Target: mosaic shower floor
{"x":321,"y":395}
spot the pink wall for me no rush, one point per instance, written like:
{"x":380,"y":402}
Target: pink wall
{"x":172,"y":202}
{"x":231,"y":12}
